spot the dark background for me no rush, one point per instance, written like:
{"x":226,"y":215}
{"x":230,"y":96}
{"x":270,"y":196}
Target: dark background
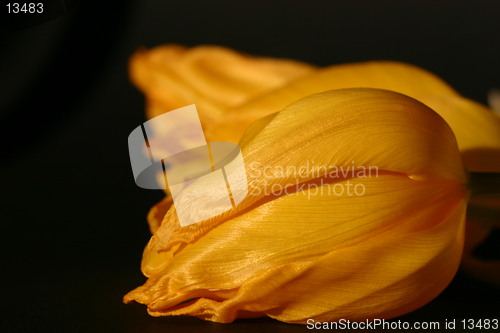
{"x":72,"y":221}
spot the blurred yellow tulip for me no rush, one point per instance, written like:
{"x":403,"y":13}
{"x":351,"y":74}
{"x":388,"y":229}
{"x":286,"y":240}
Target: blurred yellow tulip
{"x":476,"y":128}
{"x":212,"y":77}
{"x":297,"y":247}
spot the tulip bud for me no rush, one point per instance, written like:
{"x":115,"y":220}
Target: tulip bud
{"x":307,"y":243}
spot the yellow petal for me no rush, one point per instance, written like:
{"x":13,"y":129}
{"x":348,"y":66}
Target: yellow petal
{"x":212,"y":77}
{"x":156,"y":214}
{"x":327,"y":257}
{"x":477,"y":129}
{"x":314,"y":252}
{"x":400,"y":77}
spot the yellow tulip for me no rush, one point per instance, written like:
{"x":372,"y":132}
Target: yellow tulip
{"x":331,"y":255}
{"x":296,"y":248}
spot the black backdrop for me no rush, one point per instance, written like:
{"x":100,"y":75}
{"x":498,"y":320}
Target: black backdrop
{"x":72,"y":220}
